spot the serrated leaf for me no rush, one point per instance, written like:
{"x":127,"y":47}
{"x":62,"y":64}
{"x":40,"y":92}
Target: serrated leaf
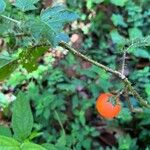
{"x":40,"y":30}
{"x":7,"y":143}
{"x":28,"y":57}
{"x":26,"y":5}
{"x":51,"y":23}
{"x":57,"y":16}
{"x":2,"y":6}
{"x":22,"y":119}
{"x":60,"y":37}
{"x":31,"y":146}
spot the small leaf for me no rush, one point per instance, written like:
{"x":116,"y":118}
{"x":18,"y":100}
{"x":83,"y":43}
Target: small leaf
{"x":25,"y":5}
{"x":5,"y":131}
{"x":7,"y":143}
{"x":118,"y":20}
{"x":2,"y":6}
{"x":125,"y":115}
{"x":31,"y":146}
{"x":119,"y":2}
{"x":22,"y":119}
{"x":135,"y":33}
{"x":28,"y":57}
{"x":141,"y":53}
{"x":117,"y":38}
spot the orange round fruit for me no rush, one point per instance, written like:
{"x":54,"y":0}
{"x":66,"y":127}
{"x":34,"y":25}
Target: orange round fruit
{"x":105,"y":108}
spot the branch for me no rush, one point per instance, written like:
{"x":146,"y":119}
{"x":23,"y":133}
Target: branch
{"x":116,"y":73}
{"x":123,"y":62}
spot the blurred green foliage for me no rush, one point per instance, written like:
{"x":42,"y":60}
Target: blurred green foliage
{"x":62,"y":91}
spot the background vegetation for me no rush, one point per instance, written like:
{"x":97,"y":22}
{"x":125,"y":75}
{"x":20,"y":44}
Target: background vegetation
{"x":52,"y":102}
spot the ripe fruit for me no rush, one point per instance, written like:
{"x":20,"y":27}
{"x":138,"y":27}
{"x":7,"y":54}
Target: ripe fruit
{"x":106,"y":108}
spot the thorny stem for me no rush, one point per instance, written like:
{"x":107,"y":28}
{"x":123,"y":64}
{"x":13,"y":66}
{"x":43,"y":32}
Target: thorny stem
{"x":116,"y":73}
{"x":123,"y":62}
{"x":72,"y":50}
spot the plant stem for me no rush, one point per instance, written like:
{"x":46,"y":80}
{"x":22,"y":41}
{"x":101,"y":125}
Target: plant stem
{"x":116,"y":73}
{"x":60,"y":123}
{"x":123,"y":62}
{"x":72,"y":50}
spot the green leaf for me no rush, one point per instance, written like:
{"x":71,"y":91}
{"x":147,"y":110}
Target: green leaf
{"x":125,"y":115}
{"x":4,"y":58}
{"x":119,"y":2}
{"x":125,"y":142}
{"x":2,"y":6}
{"x":147,"y":89}
{"x":28,"y":57}
{"x":40,"y":30}
{"x":135,"y":33}
{"x":57,"y":16}
{"x":26,"y":5}
{"x":118,"y":20}
{"x":7,"y":143}
{"x":89,"y":3}
{"x":31,"y":146}
{"x":49,"y":146}
{"x":117,"y":38}
{"x":51,"y":23}
{"x":98,"y":1}
{"x":61,"y":141}
{"x":60,"y":37}
{"x":141,"y":53}
{"x":5,"y":131}
{"x":22,"y":119}
{"x":7,"y":68}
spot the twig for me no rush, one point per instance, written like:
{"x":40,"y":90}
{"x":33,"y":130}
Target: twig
{"x":123,"y":62}
{"x":118,"y":95}
{"x":116,"y":73}
{"x":72,"y":50}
